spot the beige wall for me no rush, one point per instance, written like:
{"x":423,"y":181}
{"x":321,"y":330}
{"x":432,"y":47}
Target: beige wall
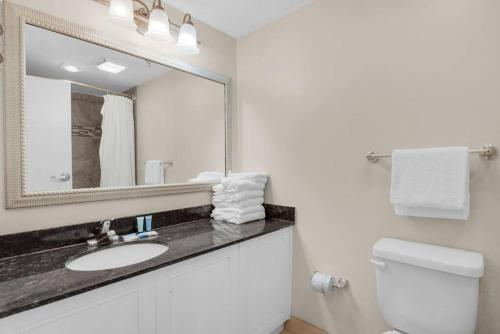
{"x":217,"y":54}
{"x":323,"y":86}
{"x":180,"y":117}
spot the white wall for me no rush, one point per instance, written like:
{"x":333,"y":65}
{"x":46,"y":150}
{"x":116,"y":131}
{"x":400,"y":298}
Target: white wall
{"x":321,"y":87}
{"x":180,"y":117}
{"x":217,"y":54}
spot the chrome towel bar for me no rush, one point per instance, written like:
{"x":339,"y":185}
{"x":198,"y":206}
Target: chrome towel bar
{"x":486,"y":152}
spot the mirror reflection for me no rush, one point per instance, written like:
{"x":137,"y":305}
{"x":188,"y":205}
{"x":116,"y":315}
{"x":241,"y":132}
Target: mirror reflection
{"x":95,"y":117}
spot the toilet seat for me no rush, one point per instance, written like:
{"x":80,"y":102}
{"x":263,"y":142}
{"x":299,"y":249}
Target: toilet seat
{"x":392,"y":332}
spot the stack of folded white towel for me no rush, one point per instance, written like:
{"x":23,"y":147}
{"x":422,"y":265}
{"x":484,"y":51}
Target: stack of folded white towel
{"x":207,"y":177}
{"x":238,"y":198}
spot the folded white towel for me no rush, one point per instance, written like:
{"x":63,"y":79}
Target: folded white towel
{"x":236,"y":197}
{"x":239,"y":204}
{"x":240,"y":218}
{"x":236,"y":185}
{"x":256,"y":177}
{"x":205,"y":177}
{"x":244,"y":219}
{"x":154,"y":173}
{"x":238,"y":211}
{"x":247,"y":218}
{"x":210,"y":175}
{"x":431,"y":182}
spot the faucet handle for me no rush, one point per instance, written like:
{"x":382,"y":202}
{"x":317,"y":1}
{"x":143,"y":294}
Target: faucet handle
{"x":105,"y":225}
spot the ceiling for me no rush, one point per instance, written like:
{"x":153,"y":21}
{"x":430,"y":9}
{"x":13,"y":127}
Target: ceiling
{"x":46,"y":51}
{"x":238,"y":18}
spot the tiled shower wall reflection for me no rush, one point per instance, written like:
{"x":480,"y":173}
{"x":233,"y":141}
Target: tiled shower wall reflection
{"x":86,"y":135}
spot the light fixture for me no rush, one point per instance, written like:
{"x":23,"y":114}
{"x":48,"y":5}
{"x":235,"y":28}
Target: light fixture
{"x":70,"y":68}
{"x":122,"y":12}
{"x":109,"y":66}
{"x":154,"y":22}
{"x":158,"y":26}
{"x":187,"y":41}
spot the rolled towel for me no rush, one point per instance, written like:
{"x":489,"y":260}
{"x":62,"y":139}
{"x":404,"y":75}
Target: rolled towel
{"x":236,"y":197}
{"x":239,"y":204}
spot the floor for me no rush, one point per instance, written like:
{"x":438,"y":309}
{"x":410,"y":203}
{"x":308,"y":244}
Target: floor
{"x":298,"y":326}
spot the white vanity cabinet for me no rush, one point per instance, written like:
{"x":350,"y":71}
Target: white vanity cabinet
{"x":265,"y":283}
{"x":244,"y":288}
{"x":200,"y":295}
{"x":124,"y":307}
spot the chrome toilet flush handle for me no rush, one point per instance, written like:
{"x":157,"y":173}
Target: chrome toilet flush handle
{"x":378,"y":263}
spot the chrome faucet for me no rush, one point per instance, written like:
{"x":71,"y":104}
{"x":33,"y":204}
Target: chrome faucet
{"x":103,"y":234}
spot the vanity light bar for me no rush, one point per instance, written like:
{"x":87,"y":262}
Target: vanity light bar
{"x":141,"y":19}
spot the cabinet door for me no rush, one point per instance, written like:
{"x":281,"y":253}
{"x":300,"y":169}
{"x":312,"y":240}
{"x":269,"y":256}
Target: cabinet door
{"x":265,"y":282}
{"x":200,"y":296}
{"x":122,"y":308}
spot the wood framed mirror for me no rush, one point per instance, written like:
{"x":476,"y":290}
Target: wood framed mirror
{"x":89,"y":118}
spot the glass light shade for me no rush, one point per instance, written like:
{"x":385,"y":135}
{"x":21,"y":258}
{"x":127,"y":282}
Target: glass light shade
{"x":122,"y":12}
{"x":188,"y":42}
{"x":158,"y":27}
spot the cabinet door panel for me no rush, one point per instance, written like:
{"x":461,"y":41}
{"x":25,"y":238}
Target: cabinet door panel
{"x":265,"y":284}
{"x":201,"y":296}
{"x":117,"y":308}
{"x":96,"y":318}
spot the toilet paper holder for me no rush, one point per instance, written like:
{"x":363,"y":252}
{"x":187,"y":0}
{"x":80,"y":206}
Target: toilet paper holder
{"x":325,"y":283}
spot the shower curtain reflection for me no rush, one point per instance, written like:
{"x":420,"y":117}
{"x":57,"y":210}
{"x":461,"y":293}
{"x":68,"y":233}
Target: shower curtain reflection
{"x":117,"y":148}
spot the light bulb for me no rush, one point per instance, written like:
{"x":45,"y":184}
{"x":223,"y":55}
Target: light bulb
{"x":158,"y":27}
{"x":122,"y":12}
{"x":188,"y":42}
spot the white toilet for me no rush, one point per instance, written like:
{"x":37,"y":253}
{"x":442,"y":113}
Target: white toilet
{"x":425,"y":289}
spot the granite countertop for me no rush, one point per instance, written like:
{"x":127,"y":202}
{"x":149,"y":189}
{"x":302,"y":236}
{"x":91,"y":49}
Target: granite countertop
{"x":31,"y":280}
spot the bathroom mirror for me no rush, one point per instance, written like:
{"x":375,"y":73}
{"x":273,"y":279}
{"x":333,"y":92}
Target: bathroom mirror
{"x":89,"y":119}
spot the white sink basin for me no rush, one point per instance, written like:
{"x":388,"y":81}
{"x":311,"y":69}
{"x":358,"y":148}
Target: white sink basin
{"x":117,"y":257}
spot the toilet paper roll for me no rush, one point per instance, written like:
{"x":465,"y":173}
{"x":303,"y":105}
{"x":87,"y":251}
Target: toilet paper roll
{"x":322,"y":283}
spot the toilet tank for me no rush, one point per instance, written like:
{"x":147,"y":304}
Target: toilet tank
{"x":426,"y":289}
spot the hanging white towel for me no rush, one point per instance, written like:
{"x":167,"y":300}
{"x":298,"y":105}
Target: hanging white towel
{"x":431,"y":182}
{"x":117,"y":147}
{"x":154,"y":173}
